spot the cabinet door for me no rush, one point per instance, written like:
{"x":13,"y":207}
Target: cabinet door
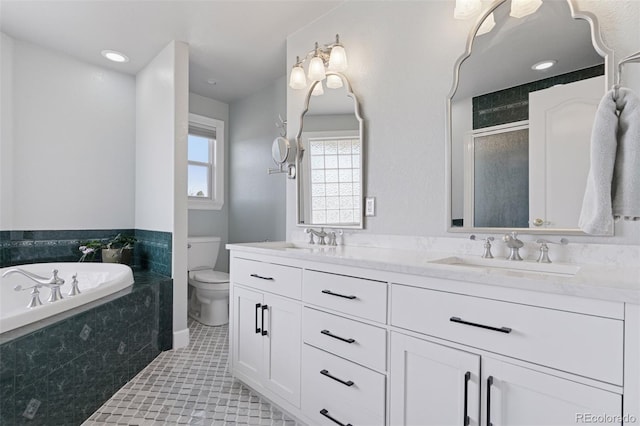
{"x":282,"y":346}
{"x":247,"y":339}
{"x":520,"y":396}
{"x":433,"y":384}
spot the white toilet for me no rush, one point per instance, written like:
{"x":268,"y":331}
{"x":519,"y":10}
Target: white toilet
{"x":208,"y":289}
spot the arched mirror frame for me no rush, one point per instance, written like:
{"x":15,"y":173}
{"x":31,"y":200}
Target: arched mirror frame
{"x":299,"y":159}
{"x":599,"y":46}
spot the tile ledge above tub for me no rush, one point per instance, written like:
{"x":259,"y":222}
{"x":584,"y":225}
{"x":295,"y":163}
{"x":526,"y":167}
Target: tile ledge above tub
{"x":602,"y":282}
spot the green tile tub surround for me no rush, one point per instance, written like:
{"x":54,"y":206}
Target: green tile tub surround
{"x":152,"y":251}
{"x":512,"y":104}
{"x":63,"y":372}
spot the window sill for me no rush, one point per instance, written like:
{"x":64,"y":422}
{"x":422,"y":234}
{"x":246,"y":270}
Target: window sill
{"x":205,"y":205}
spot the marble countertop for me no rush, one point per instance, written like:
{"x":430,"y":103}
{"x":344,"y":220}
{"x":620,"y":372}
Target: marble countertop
{"x":603,"y":282}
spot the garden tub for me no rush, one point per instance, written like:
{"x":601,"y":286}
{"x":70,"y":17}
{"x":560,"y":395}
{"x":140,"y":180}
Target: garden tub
{"x":95,"y":281}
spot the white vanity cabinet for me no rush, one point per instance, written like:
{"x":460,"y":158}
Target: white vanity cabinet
{"x":345,"y":349}
{"x":266,"y":328}
{"x":433,"y":384}
{"x":335,"y":342}
{"x":532,"y":365}
{"x":516,"y":395}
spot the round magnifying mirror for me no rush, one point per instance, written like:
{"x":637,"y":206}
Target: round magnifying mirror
{"x":280,"y":150}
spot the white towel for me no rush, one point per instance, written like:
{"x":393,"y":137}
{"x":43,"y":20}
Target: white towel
{"x":613,"y":184}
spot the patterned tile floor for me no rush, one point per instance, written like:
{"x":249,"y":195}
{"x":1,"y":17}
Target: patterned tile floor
{"x":191,"y":386}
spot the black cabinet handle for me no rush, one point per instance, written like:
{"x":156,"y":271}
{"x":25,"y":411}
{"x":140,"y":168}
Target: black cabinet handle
{"x":346,"y":383}
{"x":467,"y":376}
{"x":474,"y":324}
{"x":264,"y":329}
{"x":489,"y":383}
{"x":261,"y":277}
{"x":257,"y":328}
{"x":328,"y":333}
{"x":325,"y":413}
{"x":329,"y":292}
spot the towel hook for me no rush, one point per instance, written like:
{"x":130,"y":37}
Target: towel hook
{"x":631,"y":58}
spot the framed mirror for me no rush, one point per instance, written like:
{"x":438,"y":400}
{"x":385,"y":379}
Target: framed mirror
{"x":331,"y":146}
{"x":518,"y":134}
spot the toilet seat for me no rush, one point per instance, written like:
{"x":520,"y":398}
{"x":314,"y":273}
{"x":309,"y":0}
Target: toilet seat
{"x":209,"y":279}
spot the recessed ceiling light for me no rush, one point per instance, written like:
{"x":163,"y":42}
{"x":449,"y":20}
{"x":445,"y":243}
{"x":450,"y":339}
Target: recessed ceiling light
{"x":544,"y":65}
{"x":114,"y":56}
{"x":212,"y":81}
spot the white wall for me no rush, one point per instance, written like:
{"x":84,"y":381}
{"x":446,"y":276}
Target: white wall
{"x":67,"y":148}
{"x":401,"y":57}
{"x":6,"y":132}
{"x":162,"y":122}
{"x":257,"y":200}
{"x":213,"y":222}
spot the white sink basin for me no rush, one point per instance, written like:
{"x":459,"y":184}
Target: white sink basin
{"x":558,"y":269}
{"x":283,"y":245}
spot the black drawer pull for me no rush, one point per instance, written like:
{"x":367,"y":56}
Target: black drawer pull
{"x":328,"y":333}
{"x":264,"y":329}
{"x":325,"y":413}
{"x":473,"y":324}
{"x":257,"y":328}
{"x":346,"y":383}
{"x":489,"y":384}
{"x":261,"y":277}
{"x":329,"y":292}
{"x":465,"y":418}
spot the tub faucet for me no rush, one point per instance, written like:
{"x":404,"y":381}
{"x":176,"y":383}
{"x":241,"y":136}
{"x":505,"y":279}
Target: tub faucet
{"x":53,"y":283}
{"x":47,"y":282}
{"x":514,"y":245}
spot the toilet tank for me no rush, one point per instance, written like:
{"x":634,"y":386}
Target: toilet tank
{"x":202,"y":252}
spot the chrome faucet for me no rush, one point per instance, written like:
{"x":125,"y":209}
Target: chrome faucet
{"x":333,"y":237}
{"x":53,"y":283}
{"x":487,"y":246}
{"x":320,"y":234}
{"x":543,"y":257}
{"x":54,"y":280}
{"x":514,"y":245}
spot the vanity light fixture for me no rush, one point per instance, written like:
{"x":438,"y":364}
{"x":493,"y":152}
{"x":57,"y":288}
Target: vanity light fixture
{"x":465,"y":9}
{"x":115,"y":56}
{"x":544,"y":65}
{"x":331,"y":57}
{"x":522,"y":8}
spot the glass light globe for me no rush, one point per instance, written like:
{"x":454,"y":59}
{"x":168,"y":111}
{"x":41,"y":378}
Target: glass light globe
{"x":297,"y":79}
{"x":338,"y":59}
{"x":465,"y":9}
{"x":317,"y":90}
{"x":316,"y":69}
{"x":487,"y":25}
{"x":334,"y":81}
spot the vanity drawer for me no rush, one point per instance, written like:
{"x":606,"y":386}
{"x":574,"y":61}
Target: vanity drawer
{"x":358,"y":342}
{"x":355,"y":296}
{"x":359,"y":399}
{"x":277,"y":279}
{"x":582,"y":344}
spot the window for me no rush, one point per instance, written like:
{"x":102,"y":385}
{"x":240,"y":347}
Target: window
{"x":205,"y":169}
{"x":335,"y":180}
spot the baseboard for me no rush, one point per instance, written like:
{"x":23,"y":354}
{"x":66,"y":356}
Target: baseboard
{"x":180,"y":338}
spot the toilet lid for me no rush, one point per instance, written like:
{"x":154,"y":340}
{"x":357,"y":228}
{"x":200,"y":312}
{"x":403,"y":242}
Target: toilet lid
{"x":210,"y":276}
